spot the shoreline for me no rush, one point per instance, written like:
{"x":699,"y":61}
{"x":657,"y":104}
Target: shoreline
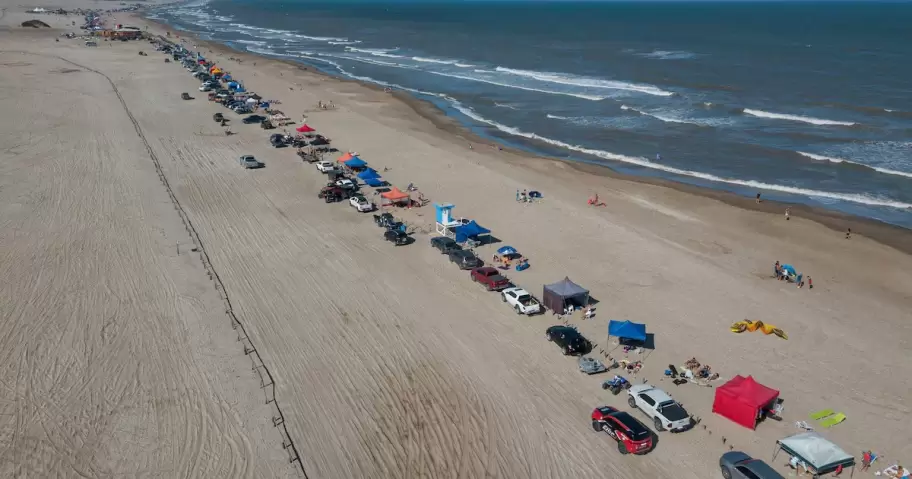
{"x":443,"y":375}
{"x":888,"y":234}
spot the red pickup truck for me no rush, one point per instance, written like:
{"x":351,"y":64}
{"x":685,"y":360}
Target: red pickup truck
{"x":490,"y":278}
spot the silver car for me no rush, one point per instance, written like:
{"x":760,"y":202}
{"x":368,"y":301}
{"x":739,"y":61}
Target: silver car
{"x":249,"y":162}
{"x":738,"y":465}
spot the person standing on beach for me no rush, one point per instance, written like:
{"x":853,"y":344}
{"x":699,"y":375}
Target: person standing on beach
{"x":517,"y":195}
{"x":758,"y":198}
{"x":787,"y":210}
{"x":849,"y":233}
{"x":810,"y":283}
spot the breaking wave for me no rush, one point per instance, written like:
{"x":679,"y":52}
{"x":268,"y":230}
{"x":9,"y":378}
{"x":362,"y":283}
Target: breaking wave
{"x":643,"y":162}
{"x":803,"y":119}
{"x":830,"y":159}
{"x":668,"y":55}
{"x":565,"y":79}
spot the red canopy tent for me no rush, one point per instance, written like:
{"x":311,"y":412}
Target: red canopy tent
{"x":395,"y":196}
{"x":304,"y":129}
{"x":742,"y":400}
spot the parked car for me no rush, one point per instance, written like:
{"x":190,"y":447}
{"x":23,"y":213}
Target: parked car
{"x":205,"y":88}
{"x":277,"y":140}
{"x":568,"y":339}
{"x":465,"y":259}
{"x":521,"y":301}
{"x":334,"y":194}
{"x":361,"y":204}
{"x":490,"y":278}
{"x":396,"y":237}
{"x":384,"y":219}
{"x":249,"y":162}
{"x":325,"y":166}
{"x":665,"y":412}
{"x":445,"y":245}
{"x":738,"y":465}
{"x":631,"y":435}
{"x":253,"y":119}
{"x":330,"y":191}
{"x":345,"y":183}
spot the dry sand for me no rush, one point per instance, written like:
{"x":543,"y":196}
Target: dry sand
{"x":388,"y":361}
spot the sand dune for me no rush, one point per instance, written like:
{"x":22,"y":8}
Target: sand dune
{"x":388,"y":362}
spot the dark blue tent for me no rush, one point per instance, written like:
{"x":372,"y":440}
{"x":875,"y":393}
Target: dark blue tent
{"x":374,"y":182}
{"x":627,"y":330}
{"x":368,"y":174}
{"x":355,"y":162}
{"x":470,"y":230}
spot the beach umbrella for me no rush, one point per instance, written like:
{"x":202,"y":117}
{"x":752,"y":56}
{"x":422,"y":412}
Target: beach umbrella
{"x":506,"y":250}
{"x":789,"y":269}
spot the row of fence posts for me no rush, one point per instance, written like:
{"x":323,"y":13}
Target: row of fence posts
{"x":267,"y":383}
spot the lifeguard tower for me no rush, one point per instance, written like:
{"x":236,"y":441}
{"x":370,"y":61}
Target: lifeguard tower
{"x":445,"y":220}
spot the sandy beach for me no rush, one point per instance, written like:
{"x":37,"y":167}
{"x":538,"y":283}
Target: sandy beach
{"x":388,"y":362}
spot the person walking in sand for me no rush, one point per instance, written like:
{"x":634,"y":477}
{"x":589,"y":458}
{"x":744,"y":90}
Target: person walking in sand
{"x":787,"y":211}
{"x":810,"y":283}
{"x":758,"y":198}
{"x":849,"y":233}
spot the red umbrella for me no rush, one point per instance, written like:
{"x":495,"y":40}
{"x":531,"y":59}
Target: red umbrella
{"x":304,"y":129}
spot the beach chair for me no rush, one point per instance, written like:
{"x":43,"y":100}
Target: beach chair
{"x":822,"y":414}
{"x":803,"y":425}
{"x":833,"y":420}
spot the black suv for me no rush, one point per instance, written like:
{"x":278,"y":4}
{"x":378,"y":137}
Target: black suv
{"x":444,"y":244}
{"x":396,"y":237}
{"x":568,"y":339}
{"x":465,"y":259}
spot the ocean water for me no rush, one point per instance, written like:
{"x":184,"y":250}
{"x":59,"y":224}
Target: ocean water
{"x":803,"y":102}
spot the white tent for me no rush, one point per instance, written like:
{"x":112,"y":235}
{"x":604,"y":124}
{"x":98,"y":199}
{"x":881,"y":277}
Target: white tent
{"x":818,"y":453}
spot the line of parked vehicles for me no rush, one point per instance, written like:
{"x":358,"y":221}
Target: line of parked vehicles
{"x":629,"y":433}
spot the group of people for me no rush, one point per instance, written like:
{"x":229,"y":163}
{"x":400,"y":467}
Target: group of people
{"x":325,"y":106}
{"x":783,"y":275}
{"x":524,"y":197}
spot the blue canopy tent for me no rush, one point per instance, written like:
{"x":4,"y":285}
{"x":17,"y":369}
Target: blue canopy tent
{"x":789,"y":269}
{"x":374,"y":182}
{"x":355,"y":162}
{"x":368,"y":174}
{"x":626,"y":330}
{"x":470,"y":230}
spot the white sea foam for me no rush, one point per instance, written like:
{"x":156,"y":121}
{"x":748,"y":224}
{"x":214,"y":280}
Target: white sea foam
{"x":573,"y":80}
{"x":251,"y":42}
{"x":803,"y":119}
{"x":377,"y":52}
{"x":504,"y":105}
{"x":830,"y":159}
{"x":667,"y":118}
{"x":434,"y":60}
{"x":518,"y":87}
{"x":556,"y":117}
{"x":643,"y":162}
{"x":668,"y":55}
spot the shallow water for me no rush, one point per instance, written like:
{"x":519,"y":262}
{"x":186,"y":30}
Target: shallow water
{"x":804,"y":102}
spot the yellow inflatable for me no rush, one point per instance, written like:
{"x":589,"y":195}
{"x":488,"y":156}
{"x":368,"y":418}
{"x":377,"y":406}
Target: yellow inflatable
{"x":748,"y":325}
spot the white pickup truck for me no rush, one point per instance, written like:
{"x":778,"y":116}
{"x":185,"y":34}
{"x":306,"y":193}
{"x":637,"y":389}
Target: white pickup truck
{"x":521,"y":301}
{"x":325,"y":166}
{"x":665,"y":412}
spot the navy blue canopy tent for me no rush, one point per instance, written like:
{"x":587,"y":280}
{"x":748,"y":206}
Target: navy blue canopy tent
{"x":626,"y":330}
{"x":470,"y":230}
{"x":368,"y":174}
{"x":355,"y":163}
{"x":374,"y":182}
